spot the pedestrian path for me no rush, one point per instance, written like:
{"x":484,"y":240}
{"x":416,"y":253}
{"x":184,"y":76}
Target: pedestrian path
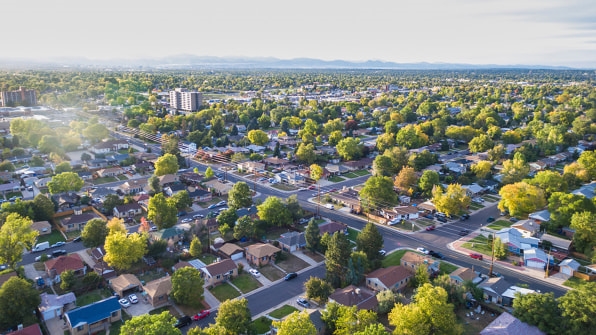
{"x":210,"y":299}
{"x":300,"y":254}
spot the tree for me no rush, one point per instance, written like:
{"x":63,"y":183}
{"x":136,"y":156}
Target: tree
{"x":337,"y":255}
{"x":111,"y":201}
{"x":540,"y":310}
{"x":274,"y":212}
{"x":549,"y":181}
{"x":18,"y":300}
{"x":96,"y":132}
{"x":43,"y":208}
{"x":244,"y":228}
{"x":577,"y":309}
{"x":312,"y":236}
{"x":349,"y":148}
{"x":67,"y":280}
{"x":116,"y":225}
{"x":7,"y":166}
{"x":481,"y":143}
{"x":196,"y":248}
{"x":482,"y":169}
{"x":421,"y":276}
{"x":297,"y":323}
{"x":63,"y":167}
{"x":122,"y":251}
{"x":352,"y":320}
{"x":166,"y":164}
{"x":187,"y":287}
{"x":180,"y":200}
{"x":161,"y":212}
{"x":94,"y":233}
{"x":452,"y":201}
{"x":370,"y":241}
{"x":387,"y":299}
{"x":209,"y":173}
{"x":258,"y":137}
{"x":318,"y":290}
{"x":374,"y":329}
{"x":428,"y":314}
{"x":563,"y":205}
{"x":85,"y":157}
{"x":64,"y":182}
{"x":499,"y":249}
{"x":234,"y":316}
{"x":335,"y":137}
{"x":428,"y":180}
{"x":151,"y":324}
{"x":306,"y":153}
{"x":585,"y":231}
{"x":385,"y":141}
{"x":411,"y":137}
{"x":154,"y":185}
{"x":521,"y":199}
{"x":378,"y":192}
{"x":15,"y":236}
{"x":228,"y":217}
{"x":240,"y":196}
{"x":382,"y":166}
{"x":406,"y":178}
{"x":587,"y":160}
{"x":515,"y":169}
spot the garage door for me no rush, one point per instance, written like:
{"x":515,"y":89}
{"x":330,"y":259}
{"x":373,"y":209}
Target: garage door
{"x":237,"y":256}
{"x":566,"y":271}
{"x":49,"y":314}
{"x":535,"y":264}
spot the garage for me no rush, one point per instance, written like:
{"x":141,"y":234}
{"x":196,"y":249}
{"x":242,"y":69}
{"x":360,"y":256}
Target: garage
{"x":231,"y":251}
{"x":125,"y":284}
{"x":568,"y":266}
{"x":52,"y":306}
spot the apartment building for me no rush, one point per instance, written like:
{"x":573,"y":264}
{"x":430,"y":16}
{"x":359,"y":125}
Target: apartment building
{"x":22,"y":97}
{"x":185,"y":100}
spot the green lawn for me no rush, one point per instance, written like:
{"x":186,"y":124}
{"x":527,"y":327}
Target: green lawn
{"x":150,"y":275}
{"x":246,"y":283}
{"x":575,"y":282}
{"x":283,"y":311}
{"x":475,"y":206}
{"x":261,"y":325}
{"x":350,"y":175}
{"x":115,"y":327}
{"x":336,"y":179}
{"x":224,"y":292}
{"x":490,"y":198}
{"x":88,"y":298}
{"x":352,"y":233}
{"x":480,"y":244}
{"x":159,"y":310}
{"x":53,"y":237}
{"x":73,"y":234}
{"x":500,"y":224}
{"x":207,"y":258}
{"x":361,"y":172}
{"x":393,"y":258}
{"x":122,"y":177}
{"x":446,"y":268}
{"x":104,"y":180}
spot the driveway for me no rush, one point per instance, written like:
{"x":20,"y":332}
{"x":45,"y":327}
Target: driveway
{"x":140,"y":308}
{"x":31,"y":273}
{"x":264,"y":281}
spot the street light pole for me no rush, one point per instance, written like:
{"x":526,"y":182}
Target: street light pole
{"x":492,"y":260}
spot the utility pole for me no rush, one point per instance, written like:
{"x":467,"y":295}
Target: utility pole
{"x":547,"y":263}
{"x":319,"y":197}
{"x":492,"y":261}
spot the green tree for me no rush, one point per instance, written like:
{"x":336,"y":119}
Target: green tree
{"x":151,"y":324}
{"x":312,"y":236}
{"x":18,"y":300}
{"x":111,"y":201}
{"x":563,"y":205}
{"x":540,"y":310}
{"x":228,"y":217}
{"x":187,"y":287}
{"x":94,"y":233}
{"x":428,"y":180}
{"x":240,"y":196}
{"x":521,"y":199}
{"x":482,"y":169}
{"x":378,"y":192}
{"x":421,"y":276}
{"x":587,"y":160}
{"x":209,"y":173}
{"x":577,"y":309}
{"x":499,"y":248}
{"x":15,"y":236}
{"x":244,"y":228}
{"x":43,"y":208}
{"x":335,"y":137}
{"x":337,"y":256}
{"x":64,"y":182}
{"x":166,"y":164}
{"x":306,"y":153}
{"x":352,"y":320}
{"x":481,"y":143}
{"x":196,"y":248}
{"x":180,"y":200}
{"x":385,"y":142}
{"x":374,"y":329}
{"x":370,"y":241}
{"x":7,"y":166}
{"x":234,"y":316}
{"x":318,"y":290}
{"x":63,"y":167}
{"x":297,"y":323}
{"x":387,"y":299}
{"x":515,"y":170}
{"x":258,"y":137}
{"x":274,"y":212}
{"x":411,"y":137}
{"x":154,"y":184}
{"x":96,"y":132}
{"x":122,"y":251}
{"x":161,"y":212}
{"x":67,"y":280}
{"x":382,"y":166}
{"x":452,"y":201}
{"x":585,"y":231}
{"x":549,"y":181}
{"x":349,"y":148}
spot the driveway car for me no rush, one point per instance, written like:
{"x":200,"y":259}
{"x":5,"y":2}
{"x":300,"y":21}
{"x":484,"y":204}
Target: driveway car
{"x":476,"y":256}
{"x":201,"y":315}
{"x":429,"y":216}
{"x":429,"y":228}
{"x":124,"y":303}
{"x":133,"y":298}
{"x":60,"y":252}
{"x":153,"y":228}
{"x":422,"y":250}
{"x":181,"y":213}
{"x":465,"y":217}
{"x":77,"y":239}
{"x":441,"y":219}
{"x":303,"y":302}
{"x":290,"y":276}
{"x":254,"y":272}
{"x":490,"y":219}
{"x":436,"y":254}
{"x":512,"y":219}
{"x":212,"y":206}
{"x":57,"y":244}
{"x":183,"y":321}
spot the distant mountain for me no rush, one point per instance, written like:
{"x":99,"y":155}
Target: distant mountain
{"x":207,"y":62}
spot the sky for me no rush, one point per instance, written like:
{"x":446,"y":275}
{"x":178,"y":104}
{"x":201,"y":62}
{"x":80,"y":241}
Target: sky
{"x":503,"y":32}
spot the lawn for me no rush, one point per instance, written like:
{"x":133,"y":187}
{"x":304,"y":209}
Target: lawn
{"x":352,"y":233}
{"x":350,"y":175}
{"x":405,"y":225}
{"x":575,"y":282}
{"x":336,"y":179}
{"x":500,"y":224}
{"x":150,"y":275}
{"x":271,"y":272}
{"x":475,"y":206}
{"x":361,"y":172}
{"x":104,"y":180}
{"x":207,"y":258}
{"x":446,"y":268}
{"x":283,"y":187}
{"x":115,"y":327}
{"x":393,"y":258}
{"x":88,"y":298}
{"x":479,"y":244}
{"x":73,"y":234}
{"x":122,"y":177}
{"x":53,"y":237}
{"x":224,"y":292}
{"x":283,"y":311}
{"x":261,"y":325}
{"x":292,"y":263}
{"x":246,"y":283}
{"x":490,"y":198}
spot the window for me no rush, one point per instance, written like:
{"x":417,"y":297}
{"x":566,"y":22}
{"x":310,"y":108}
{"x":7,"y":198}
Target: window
{"x":114,"y":314}
{"x":79,"y":328}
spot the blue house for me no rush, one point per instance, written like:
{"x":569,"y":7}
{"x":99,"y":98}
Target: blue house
{"x":94,"y":318}
{"x":515,"y":241}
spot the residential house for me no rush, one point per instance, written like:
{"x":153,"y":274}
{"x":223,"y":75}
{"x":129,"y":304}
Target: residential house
{"x":42,"y":182}
{"x":411,"y":261}
{"x":129,"y":210}
{"x":250,"y":212}
{"x":191,"y":177}
{"x":493,"y":289}
{"x":527,"y":228}
{"x":66,"y":200}
{"x":512,"y":292}
{"x":175,"y":188}
{"x":78,"y":220}
{"x":569,"y":266}
{"x":109,"y":146}
{"x":348,"y":197}
{"x":540,"y":216}
{"x":218,"y":187}
{"x":456,"y":168}
{"x":55,"y":266}
{"x":104,"y":270}
{"x":126,"y":284}
{"x":34,"y":329}
{"x":558,"y":243}
{"x":275,"y":162}
{"x":94,"y":318}
{"x":231,"y":251}
{"x":292,"y":241}
{"x":98,"y":163}
{"x":536,"y":258}
{"x":333,"y":227}
{"x":43,"y":227}
{"x":251,"y":167}
{"x":211,"y":225}
{"x":53,"y":305}
{"x":336,"y":169}
{"x":158,"y":291}
{"x":463,"y":274}
{"x":393,"y":278}
{"x":143,"y":167}
{"x":400,"y":213}
{"x":355,"y":296}
{"x":588,"y":190}
{"x":168,"y":179}
{"x":256,"y":148}
{"x":117,"y":159}
{"x":473,"y":190}
{"x":290,"y":178}
{"x":110,"y":172}
{"x":142,"y":199}
{"x":171,"y":235}
{"x":85,"y":175}
{"x":133,"y":186}
{"x":361,"y":164}
{"x":260,"y":254}
{"x":507,"y":324}
{"x":515,"y":241}
{"x":218,"y":272}
{"x":198,"y":195}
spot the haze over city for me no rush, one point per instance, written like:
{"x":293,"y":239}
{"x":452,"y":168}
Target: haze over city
{"x":503,"y":32}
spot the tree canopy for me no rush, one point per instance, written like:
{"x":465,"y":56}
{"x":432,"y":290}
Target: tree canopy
{"x":187,"y":287}
{"x":64,"y":182}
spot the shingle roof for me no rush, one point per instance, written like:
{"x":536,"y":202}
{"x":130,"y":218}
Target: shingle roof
{"x":63,"y":263}
{"x":30,"y":330}
{"x":507,"y":324}
{"x":261,"y":250}
{"x":391,"y":275}
{"x":464,"y":273}
{"x":293,"y":238}
{"x":220,"y":267}
{"x":229,"y":249}
{"x":125,"y":282}
{"x":354,"y":296}
{"x":93,"y":313}
{"x":159,"y":287}
{"x":331,"y":227}
{"x":498,"y":284}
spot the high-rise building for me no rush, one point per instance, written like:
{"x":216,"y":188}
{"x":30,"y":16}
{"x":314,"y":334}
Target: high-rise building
{"x":22,"y":97}
{"x":182,"y":99}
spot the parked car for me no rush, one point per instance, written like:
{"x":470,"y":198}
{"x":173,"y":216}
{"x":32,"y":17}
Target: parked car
{"x":201,"y":315}
{"x":57,"y":244}
{"x":512,"y":219}
{"x":222,"y":203}
{"x":436,"y":254}
{"x":464,"y":232}
{"x":254,"y":272}
{"x":429,"y":228}
{"x":187,"y":220}
{"x":198,"y":216}
{"x":465,"y":217}
{"x":183,"y":321}
{"x":212,"y":206}
{"x":312,"y":187}
{"x":77,"y":239}
{"x":133,"y":298}
{"x":382,"y":252}
{"x":476,"y":256}
{"x":38,"y":258}
{"x":490,"y":219}
{"x":422,"y":250}
{"x":303,"y":302}
{"x":441,"y":219}
{"x":153,"y":228}
{"x":57,"y":253}
{"x":124,"y":303}
{"x":290,"y":276}
{"x":429,"y":216}
{"x":181,"y":213}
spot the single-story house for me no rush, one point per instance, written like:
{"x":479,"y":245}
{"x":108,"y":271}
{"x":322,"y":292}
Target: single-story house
{"x":66,"y":200}
{"x":232,"y":251}
{"x":199,"y":195}
{"x":219,"y":272}
{"x":94,"y":318}
{"x":174,"y":188}
{"x":411,"y":261}
{"x":129,"y":210}
{"x":158,"y":291}
{"x":393,"y":278}
{"x":42,"y":182}
{"x":125,"y":284}
{"x":34,"y":329}
{"x":473,"y":190}
{"x":251,"y":166}
{"x":171,"y":234}
{"x":361,"y":164}
{"x":168,"y":179}
{"x":588,"y":190}
{"x":540,"y":216}
{"x":332,"y":228}
{"x":463,"y":274}
{"x":250,"y":212}
{"x":336,"y":169}
{"x":218,"y":187}
{"x":493,"y":289}
{"x":290,"y":178}
{"x":569,"y":266}
{"x":515,"y":241}
{"x":400,"y":213}
{"x":191,"y":177}
{"x":43,"y":227}
{"x":78,"y":220}
{"x":133,"y":186}
{"x":510,"y":294}
{"x":261,"y":254}
{"x":536,"y":258}
{"x":528,"y":228}
{"x":355,"y":296}
{"x":292,"y":241}
{"x":507,"y":324}
{"x":349,"y":197}
{"x":55,"y":266}
{"x":110,"y":172}
{"x":54,"y":305}
{"x":558,"y":243}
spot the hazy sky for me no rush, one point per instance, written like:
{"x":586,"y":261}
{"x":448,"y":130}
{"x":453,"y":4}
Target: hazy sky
{"x":545,"y":32}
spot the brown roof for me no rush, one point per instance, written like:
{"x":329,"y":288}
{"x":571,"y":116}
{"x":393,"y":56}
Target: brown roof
{"x":40,"y":225}
{"x":331,"y":227}
{"x":5,"y":277}
{"x":181,"y":265}
{"x":220,"y":267}
{"x":261,"y":250}
{"x":464,"y":273}
{"x":159,"y":287}
{"x":229,"y":249}
{"x":391,"y":275}
{"x":30,"y":330}
{"x":125,"y":282}
{"x":63,"y":263}
{"x":354,"y":296}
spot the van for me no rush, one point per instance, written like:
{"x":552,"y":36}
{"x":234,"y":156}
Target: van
{"x":41,"y":246}
{"x":329,"y":206}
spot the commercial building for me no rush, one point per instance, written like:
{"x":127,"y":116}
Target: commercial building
{"x":182,"y":99}
{"x":22,"y":97}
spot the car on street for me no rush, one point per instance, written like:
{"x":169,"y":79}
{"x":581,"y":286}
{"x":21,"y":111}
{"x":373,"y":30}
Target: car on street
{"x":312,"y":187}
{"x":77,"y":239}
{"x":436,"y":254}
{"x":57,"y":244}
{"x":212,"y":206}
{"x":478,"y":200}
{"x":57,"y":253}
{"x":201,"y":315}
{"x":133,"y":298}
{"x":38,"y":258}
{"x":303,"y":302}
{"x":490,"y":219}
{"x":333,"y":190}
{"x":512,"y":219}
{"x":290,"y":276}
{"x":465,"y":217}
{"x":124,"y":303}
{"x":422,"y":250}
{"x":183,"y":321}
{"x":382,"y":252}
{"x":441,"y":219}
{"x":198,"y":216}
{"x":254,"y":272}
{"x":187,"y":220}
{"x":464,"y":232}
{"x":476,"y":256}
{"x":429,"y":228}
{"x":262,"y":179}
{"x":429,"y":216}
{"x":302,"y":189}
{"x":222,"y":203}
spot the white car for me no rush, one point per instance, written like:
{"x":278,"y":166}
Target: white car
{"x":133,"y":298}
{"x":124,"y":303}
{"x":187,"y":220}
{"x":57,"y":244}
{"x":254,"y":272}
{"x":221,"y":203}
{"x":382,"y":252}
{"x":38,"y":258}
{"x":422,"y":250}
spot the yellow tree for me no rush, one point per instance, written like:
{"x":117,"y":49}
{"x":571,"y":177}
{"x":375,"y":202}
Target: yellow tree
{"x":316,"y":173}
{"x":122,"y":251}
{"x":515,"y":169}
{"x":406,"y":178}
{"x":482,"y":169}
{"x":521,"y":199}
{"x":166,"y":164}
{"x":452,"y":201}
{"x":297,"y":323}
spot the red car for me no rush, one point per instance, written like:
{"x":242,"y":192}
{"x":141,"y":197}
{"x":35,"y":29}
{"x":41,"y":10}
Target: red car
{"x":312,"y":187}
{"x":202,"y":314}
{"x":476,"y":256}
{"x":429,"y":228}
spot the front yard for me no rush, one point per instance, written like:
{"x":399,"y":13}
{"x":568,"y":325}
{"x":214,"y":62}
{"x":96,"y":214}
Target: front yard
{"x":224,"y":292}
{"x":479,"y":244}
{"x":246,"y":283}
{"x":53,"y":237}
{"x":393,"y":258}
{"x":446,"y":268}
{"x":283,"y":311}
{"x":292,"y":263}
{"x":261,"y":325}
{"x":336,"y":179}
{"x":271,"y":273}
{"x":500,"y":224}
{"x":104,"y":180}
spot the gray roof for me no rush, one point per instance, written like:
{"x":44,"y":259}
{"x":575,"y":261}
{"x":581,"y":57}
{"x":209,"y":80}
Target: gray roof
{"x":498,"y":284}
{"x":507,"y":324}
{"x":292,"y":238}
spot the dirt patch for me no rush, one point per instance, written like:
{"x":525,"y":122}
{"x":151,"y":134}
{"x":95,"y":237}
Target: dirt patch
{"x":314,"y":256}
{"x":271,"y":272}
{"x":292,"y":263}
{"x":475,"y":323}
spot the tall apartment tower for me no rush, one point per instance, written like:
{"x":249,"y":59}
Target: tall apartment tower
{"x":182,"y":99}
{"x":22,"y":97}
